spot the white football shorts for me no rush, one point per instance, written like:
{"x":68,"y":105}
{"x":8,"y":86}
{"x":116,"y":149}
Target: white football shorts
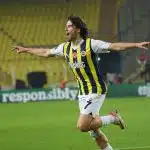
{"x":91,"y":104}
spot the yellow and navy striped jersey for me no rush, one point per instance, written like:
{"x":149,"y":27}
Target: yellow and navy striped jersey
{"x":84,"y":66}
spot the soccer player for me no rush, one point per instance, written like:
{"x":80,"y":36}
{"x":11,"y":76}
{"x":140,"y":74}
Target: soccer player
{"x":80,"y":52}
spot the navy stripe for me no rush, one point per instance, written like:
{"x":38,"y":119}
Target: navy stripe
{"x":80,"y":87}
{"x":98,"y":72}
{"x":88,"y":70}
{"x":67,"y":52}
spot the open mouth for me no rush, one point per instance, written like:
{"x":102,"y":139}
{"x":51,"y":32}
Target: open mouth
{"x":68,"y":34}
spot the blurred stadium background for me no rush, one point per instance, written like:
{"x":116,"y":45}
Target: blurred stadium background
{"x":51,"y":124}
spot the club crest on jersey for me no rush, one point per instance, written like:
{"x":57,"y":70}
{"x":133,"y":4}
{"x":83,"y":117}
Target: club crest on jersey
{"x":83,"y":53}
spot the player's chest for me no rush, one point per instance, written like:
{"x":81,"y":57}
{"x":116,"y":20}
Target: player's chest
{"x":78,"y":58}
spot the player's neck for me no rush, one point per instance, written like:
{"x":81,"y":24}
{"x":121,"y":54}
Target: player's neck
{"x":76,"y":41}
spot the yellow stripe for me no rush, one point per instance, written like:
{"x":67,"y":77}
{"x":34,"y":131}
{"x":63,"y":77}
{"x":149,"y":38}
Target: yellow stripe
{"x":82,"y":70}
{"x":65,"y":48}
{"x":92,"y":67}
{"x":74,"y":71}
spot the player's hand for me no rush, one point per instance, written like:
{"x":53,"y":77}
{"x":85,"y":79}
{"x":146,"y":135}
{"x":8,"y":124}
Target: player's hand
{"x":143,"y":45}
{"x":19,"y":49}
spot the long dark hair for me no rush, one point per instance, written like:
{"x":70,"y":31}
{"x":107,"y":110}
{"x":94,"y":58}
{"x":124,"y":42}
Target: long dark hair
{"x":80,"y":24}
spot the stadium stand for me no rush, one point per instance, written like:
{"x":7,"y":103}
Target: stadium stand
{"x":39,"y":25}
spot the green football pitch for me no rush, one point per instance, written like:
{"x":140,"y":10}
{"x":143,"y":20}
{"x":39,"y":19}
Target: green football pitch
{"x":52,"y":126}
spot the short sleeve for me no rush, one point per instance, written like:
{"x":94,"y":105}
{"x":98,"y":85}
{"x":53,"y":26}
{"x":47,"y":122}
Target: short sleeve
{"x":99,"y":46}
{"x":58,"y":50}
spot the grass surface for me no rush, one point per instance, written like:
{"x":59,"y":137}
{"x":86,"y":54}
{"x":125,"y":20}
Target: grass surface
{"x":52,"y":125}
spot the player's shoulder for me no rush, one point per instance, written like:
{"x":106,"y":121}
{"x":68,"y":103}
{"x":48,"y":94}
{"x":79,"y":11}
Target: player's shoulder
{"x":95,"y":40}
{"x":99,"y":42}
{"x":66,"y":43}
{"x":60,"y":46}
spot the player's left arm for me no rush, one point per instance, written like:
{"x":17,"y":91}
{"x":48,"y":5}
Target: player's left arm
{"x":124,"y":46}
{"x":99,"y":46}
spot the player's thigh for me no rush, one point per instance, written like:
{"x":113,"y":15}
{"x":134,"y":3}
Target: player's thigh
{"x":89,"y":111}
{"x":96,"y":122}
{"x":83,"y":122}
{"x":91,"y":104}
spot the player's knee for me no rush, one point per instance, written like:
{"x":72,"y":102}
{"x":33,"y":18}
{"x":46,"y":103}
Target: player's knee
{"x":95,"y":123}
{"x":83,"y":127}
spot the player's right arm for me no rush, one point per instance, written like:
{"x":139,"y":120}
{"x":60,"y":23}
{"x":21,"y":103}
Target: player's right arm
{"x":43,"y":52}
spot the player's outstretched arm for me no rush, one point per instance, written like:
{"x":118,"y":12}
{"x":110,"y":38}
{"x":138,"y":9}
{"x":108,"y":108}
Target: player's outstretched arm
{"x":44,"y":52}
{"x":124,"y":46}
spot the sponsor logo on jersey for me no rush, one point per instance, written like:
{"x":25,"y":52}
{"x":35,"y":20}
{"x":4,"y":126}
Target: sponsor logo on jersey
{"x":77,"y":65}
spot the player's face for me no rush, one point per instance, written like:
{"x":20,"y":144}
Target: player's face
{"x":71,"y":31}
